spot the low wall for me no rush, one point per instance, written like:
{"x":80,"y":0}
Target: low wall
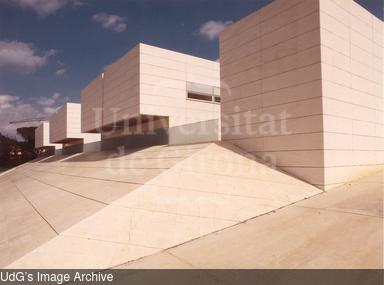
{"x":158,"y":137}
{"x":73,"y":149}
{"x":206,"y":131}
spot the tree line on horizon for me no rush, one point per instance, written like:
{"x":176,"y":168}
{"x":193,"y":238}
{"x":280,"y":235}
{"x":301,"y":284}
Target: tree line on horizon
{"x":13,"y":152}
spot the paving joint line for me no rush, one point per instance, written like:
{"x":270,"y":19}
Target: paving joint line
{"x":36,"y":210}
{"x":64,"y":190}
{"x":339,"y":211}
{"x":174,"y":214}
{"x":108,"y":241}
{"x":94,"y":178}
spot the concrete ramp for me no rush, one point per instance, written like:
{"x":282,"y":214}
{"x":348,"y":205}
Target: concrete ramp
{"x":41,"y":199}
{"x":104,"y":209}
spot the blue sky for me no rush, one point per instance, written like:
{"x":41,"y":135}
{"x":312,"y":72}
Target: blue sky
{"x":50,"y":49}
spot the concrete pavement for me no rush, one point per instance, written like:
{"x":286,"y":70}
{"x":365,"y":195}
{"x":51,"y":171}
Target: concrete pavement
{"x":342,"y":228}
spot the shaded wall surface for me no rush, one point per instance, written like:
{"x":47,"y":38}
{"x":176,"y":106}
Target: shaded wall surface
{"x":206,"y":131}
{"x":77,"y":148}
{"x":157,"y":137}
{"x":58,"y":125}
{"x":42,"y":137}
{"x":296,"y":92}
{"x":65,"y":126}
{"x":201,"y":132}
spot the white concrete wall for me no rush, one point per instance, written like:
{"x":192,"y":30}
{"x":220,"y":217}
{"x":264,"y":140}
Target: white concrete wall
{"x":121,"y":88}
{"x":39,"y":136}
{"x":91,"y":107}
{"x":58,"y":125}
{"x":65,"y":125}
{"x":42,"y":137}
{"x":73,"y":120}
{"x":352,"y":81}
{"x":113,"y":95}
{"x":321,"y":63}
{"x":270,"y":62}
{"x":150,"y":81}
{"x":163,"y":85}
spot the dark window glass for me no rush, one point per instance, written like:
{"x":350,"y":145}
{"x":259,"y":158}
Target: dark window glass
{"x":200,"y":97}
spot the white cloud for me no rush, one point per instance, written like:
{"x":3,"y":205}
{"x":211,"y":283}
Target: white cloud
{"x":44,"y":7}
{"x":78,"y":3}
{"x":22,"y":57}
{"x":111,"y":22}
{"x":6,"y":101}
{"x":61,"y":72}
{"x":56,"y":95}
{"x":12,"y":109}
{"x":50,"y":110}
{"x":51,"y":100}
{"x":211,"y":29}
{"x":44,"y":101}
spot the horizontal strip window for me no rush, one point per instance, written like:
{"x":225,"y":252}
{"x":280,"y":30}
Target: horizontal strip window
{"x":202,"y":88}
{"x":200,"y":97}
{"x":202,"y":92}
{"x":204,"y":98}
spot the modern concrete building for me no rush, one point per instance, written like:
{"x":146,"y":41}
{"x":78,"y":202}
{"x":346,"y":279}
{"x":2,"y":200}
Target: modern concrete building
{"x":151,"y":87}
{"x":302,"y":84}
{"x":65,"y":128}
{"x":305,"y":88}
{"x":42,"y":137}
